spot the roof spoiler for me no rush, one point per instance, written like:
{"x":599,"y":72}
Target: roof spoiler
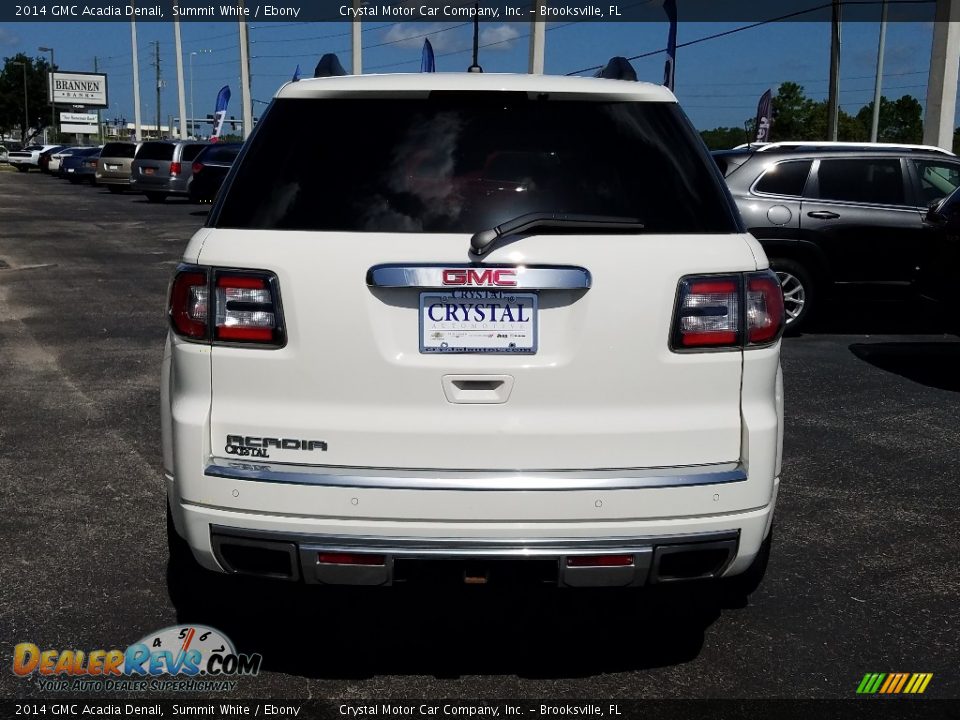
{"x":329,"y":66}
{"x":619,"y":68}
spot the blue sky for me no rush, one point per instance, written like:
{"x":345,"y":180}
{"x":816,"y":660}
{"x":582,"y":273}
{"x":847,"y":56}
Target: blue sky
{"x":718,"y":81}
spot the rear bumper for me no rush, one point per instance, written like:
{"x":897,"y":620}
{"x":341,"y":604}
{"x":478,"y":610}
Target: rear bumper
{"x":288,"y":545}
{"x":107,"y":179}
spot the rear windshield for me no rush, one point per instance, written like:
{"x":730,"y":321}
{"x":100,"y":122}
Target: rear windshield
{"x":119,"y":150}
{"x":155,"y":151}
{"x":463,"y":163}
{"x":221,"y":153}
{"x":189,"y":152}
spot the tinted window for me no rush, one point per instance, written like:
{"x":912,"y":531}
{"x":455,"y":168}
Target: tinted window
{"x":220,"y":153}
{"x":937,"y":179}
{"x":189,"y":152}
{"x":864,"y":180}
{"x":119,"y":150}
{"x":463,"y":162}
{"x":787,"y":178}
{"x":155,"y":151}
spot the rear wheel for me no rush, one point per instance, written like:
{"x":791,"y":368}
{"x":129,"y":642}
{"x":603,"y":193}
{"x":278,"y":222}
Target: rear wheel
{"x":155,"y":197}
{"x":23,"y":168}
{"x":799,"y":292}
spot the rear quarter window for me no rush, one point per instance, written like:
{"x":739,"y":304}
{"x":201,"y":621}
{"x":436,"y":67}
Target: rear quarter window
{"x":464,"y":162}
{"x":189,"y":152}
{"x":119,"y":150}
{"x":786,"y":178}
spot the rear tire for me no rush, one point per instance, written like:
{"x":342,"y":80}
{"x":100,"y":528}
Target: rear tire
{"x":799,"y":291}
{"x":155,"y":197}
{"x":23,"y":168}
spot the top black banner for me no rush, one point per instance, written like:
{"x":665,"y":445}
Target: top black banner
{"x":313,"y":11}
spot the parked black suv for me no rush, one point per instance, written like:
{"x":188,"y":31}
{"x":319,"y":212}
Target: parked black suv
{"x":847,"y":214}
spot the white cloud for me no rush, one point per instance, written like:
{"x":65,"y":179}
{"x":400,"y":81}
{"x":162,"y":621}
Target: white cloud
{"x":7,"y":37}
{"x":499,"y":37}
{"x":412,"y":35}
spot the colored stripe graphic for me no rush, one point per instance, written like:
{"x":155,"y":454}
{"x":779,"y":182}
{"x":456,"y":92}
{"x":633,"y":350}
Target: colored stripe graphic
{"x":894,"y":683}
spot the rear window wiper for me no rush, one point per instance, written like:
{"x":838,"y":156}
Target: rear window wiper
{"x":482,"y":241}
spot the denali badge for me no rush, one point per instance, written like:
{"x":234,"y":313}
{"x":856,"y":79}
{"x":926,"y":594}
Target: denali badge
{"x":252,"y":446}
{"x":488,"y":276}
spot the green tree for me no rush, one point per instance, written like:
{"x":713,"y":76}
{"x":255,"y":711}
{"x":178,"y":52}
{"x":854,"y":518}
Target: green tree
{"x":901,"y":121}
{"x":723,"y":138}
{"x":11,"y":96}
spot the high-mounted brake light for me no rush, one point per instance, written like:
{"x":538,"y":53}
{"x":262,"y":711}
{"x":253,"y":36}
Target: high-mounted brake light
{"x":727,"y":312}
{"x":226,"y":306}
{"x":175,"y":168}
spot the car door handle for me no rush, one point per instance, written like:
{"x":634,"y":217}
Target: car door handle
{"x":823,"y":215}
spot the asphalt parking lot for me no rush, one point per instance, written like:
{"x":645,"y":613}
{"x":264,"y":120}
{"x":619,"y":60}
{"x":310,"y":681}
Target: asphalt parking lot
{"x":863,"y":578}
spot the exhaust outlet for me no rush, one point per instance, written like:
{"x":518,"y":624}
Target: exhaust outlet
{"x":692,"y":561}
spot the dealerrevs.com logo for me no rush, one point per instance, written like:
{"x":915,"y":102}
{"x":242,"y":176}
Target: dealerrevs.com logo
{"x":177,"y":658}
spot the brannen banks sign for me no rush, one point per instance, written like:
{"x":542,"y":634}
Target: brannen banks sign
{"x":72,"y":88}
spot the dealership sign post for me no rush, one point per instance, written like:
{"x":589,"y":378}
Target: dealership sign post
{"x":78,"y":90}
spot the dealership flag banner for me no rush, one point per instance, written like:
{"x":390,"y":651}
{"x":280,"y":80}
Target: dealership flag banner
{"x":223,"y":99}
{"x":427,"y":61}
{"x":670,"y":6}
{"x":764,"y":121}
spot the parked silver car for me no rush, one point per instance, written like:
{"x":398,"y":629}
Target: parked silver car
{"x":163,"y":168}
{"x":113,"y":167}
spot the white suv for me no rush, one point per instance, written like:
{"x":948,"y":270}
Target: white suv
{"x":491,"y":322}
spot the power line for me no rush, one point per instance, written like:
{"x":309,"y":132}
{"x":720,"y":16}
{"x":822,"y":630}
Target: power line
{"x":788,"y":16}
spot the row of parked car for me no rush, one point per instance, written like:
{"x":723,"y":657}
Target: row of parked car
{"x":157,"y":169}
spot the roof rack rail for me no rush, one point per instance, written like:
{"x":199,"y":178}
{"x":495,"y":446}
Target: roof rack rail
{"x":618,"y":68}
{"x":826,"y":145}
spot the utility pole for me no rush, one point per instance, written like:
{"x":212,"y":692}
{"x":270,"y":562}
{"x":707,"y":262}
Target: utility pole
{"x":875,"y":126}
{"x":833,"y":105}
{"x":356,"y":43}
{"x":96,"y":68}
{"x":181,"y":95}
{"x":246,"y":100}
{"x":538,"y":38}
{"x":940,"y":118}
{"x":137,"y":127}
{"x":156,"y":64}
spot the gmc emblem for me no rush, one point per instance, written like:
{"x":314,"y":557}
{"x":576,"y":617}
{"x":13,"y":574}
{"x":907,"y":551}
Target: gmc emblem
{"x":489,"y":276}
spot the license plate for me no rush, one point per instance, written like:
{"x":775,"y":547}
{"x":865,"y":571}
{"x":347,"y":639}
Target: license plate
{"x":149,"y":171}
{"x":111,"y":167}
{"x":478,"y":321}
{"x":69,"y":169}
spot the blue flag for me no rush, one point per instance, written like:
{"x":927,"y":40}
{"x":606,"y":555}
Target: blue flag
{"x":670,"y":7}
{"x":427,"y":61}
{"x":223,"y":99}
{"x":296,"y":74}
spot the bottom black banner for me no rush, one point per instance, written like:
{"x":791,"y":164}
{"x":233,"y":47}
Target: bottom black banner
{"x":872,"y":709}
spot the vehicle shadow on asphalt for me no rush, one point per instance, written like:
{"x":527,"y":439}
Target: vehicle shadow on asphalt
{"x":851,"y":314}
{"x":934,"y":364}
{"x":450,"y":632}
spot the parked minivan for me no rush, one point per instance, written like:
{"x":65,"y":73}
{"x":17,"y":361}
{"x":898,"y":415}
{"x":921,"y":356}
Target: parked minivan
{"x":163,"y":168}
{"x":113,"y":167}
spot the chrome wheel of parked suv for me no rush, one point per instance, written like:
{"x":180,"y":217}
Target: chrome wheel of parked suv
{"x":798,"y":291}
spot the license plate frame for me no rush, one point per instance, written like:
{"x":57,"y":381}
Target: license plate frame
{"x":444,"y":339}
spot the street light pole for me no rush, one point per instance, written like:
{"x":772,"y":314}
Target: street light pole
{"x":53,"y":107}
{"x":192,"y":115}
{"x":26,"y":101}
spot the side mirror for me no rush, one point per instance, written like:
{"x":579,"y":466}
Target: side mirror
{"x":933,"y":217}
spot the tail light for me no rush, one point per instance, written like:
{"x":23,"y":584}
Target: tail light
{"x":91,"y":163}
{"x":175,"y":168}
{"x":196,"y":167}
{"x":727,"y":312}
{"x":226,"y":306}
